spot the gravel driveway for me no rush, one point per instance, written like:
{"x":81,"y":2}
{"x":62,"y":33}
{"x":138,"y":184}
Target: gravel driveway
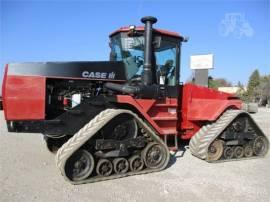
{"x":28,"y":173}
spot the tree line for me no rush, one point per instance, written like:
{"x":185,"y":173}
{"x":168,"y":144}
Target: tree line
{"x":258,"y":89}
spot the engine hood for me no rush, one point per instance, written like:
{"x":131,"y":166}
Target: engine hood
{"x":100,"y":70}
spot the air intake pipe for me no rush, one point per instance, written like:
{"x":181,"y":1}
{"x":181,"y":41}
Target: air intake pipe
{"x":123,"y":88}
{"x":147,"y":77}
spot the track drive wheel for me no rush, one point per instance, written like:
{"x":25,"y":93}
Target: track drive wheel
{"x":124,"y":127}
{"x":136,"y":163}
{"x":154,"y":155}
{"x":80,"y":165}
{"x":104,"y":167}
{"x":215,"y":150}
{"x":239,"y":125}
{"x":120,"y":165}
{"x":260,"y":146}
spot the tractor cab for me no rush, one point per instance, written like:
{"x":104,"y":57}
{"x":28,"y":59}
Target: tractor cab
{"x":151,"y":58}
{"x":128,"y":45}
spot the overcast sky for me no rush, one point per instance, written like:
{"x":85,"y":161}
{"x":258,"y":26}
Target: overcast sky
{"x":236,"y":32}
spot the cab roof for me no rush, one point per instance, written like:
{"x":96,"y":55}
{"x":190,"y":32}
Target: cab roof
{"x":141,"y":28}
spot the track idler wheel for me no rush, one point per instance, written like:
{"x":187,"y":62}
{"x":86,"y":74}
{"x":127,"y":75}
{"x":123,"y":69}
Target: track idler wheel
{"x":104,"y":167}
{"x":136,"y":163}
{"x":80,"y":165}
{"x":260,"y":146}
{"x":238,"y":152}
{"x":215,"y":150}
{"x":228,"y":152}
{"x":120,"y":165}
{"x":154,"y":155}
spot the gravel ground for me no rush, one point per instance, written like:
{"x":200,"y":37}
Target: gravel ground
{"x":28,"y":173}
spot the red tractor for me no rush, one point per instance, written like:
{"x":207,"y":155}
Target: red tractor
{"x":121,"y":117}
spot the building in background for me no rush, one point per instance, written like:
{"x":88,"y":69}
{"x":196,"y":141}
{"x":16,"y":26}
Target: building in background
{"x":232,"y":90}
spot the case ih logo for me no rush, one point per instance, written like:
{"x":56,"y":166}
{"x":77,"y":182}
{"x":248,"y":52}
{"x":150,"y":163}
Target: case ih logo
{"x":98,"y":75}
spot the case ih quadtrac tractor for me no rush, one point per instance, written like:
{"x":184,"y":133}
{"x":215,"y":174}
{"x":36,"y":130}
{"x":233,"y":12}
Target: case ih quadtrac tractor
{"x":119,"y":118}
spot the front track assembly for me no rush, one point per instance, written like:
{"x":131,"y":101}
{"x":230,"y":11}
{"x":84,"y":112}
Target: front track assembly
{"x":99,"y":151}
{"x":234,"y":136}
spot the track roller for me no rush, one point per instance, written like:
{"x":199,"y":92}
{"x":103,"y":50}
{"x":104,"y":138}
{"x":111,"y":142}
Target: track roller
{"x":238,"y":152}
{"x":228,"y":152}
{"x":104,"y":167}
{"x":136,"y":163}
{"x":120,"y":165}
{"x":248,"y":151}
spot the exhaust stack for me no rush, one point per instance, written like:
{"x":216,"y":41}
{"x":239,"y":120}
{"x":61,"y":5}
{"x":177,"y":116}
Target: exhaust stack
{"x":147,"y":76}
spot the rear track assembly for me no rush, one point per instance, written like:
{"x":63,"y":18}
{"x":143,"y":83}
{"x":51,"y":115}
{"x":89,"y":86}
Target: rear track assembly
{"x":234,"y":136}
